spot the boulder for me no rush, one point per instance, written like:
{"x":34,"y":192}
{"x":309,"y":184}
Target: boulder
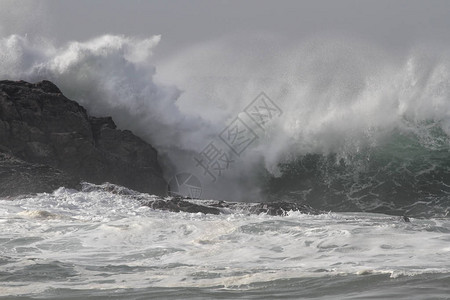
{"x":40,"y":126}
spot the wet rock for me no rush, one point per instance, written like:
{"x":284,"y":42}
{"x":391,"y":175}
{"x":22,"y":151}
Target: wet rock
{"x":217,"y":207}
{"x":39,"y":125}
{"x":179,"y":205}
{"x":18,"y":177}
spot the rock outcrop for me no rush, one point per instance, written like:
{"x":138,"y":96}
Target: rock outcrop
{"x":48,"y":141}
{"x":43,"y":133}
{"x":215,"y":207}
{"x":18,"y":177}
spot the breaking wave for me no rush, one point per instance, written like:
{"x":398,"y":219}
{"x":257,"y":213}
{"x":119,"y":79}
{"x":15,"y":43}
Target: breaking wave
{"x":361,"y":128}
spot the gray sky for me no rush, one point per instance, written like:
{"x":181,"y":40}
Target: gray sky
{"x":391,"y":24}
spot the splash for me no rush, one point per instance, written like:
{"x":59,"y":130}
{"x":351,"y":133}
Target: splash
{"x":338,"y":96}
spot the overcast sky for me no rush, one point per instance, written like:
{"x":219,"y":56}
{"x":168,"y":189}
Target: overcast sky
{"x":391,"y":24}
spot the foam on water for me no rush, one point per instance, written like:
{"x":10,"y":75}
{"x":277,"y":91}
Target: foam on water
{"x":339,"y":96}
{"x":100,"y":240}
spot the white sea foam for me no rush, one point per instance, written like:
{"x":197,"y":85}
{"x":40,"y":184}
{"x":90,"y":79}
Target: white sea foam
{"x":98,"y":233}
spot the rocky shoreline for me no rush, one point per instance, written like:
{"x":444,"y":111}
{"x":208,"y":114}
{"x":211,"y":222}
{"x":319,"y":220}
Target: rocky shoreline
{"x":215,"y":207}
{"x":48,"y":141}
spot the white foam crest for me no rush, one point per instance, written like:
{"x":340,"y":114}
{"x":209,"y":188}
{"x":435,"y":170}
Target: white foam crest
{"x":336,"y":95}
{"x":110,"y":75}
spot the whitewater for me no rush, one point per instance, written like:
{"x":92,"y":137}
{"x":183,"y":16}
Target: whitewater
{"x":363,"y":136}
{"x":74,"y":244}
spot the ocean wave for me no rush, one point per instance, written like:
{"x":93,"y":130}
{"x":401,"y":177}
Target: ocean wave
{"x":375,"y":131}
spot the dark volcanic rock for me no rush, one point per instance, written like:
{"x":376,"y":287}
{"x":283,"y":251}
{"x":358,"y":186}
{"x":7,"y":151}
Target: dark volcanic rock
{"x":269,"y":208}
{"x":215,"y":207}
{"x":18,"y":177}
{"x":41,"y":126}
{"x":218,"y":207}
{"x":177,"y":205}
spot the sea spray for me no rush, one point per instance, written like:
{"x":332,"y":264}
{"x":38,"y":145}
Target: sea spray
{"x":340,"y":99}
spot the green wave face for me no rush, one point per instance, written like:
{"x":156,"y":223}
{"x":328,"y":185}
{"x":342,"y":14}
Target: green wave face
{"x":407,"y":174}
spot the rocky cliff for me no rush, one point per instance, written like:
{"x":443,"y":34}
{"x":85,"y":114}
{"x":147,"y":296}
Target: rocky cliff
{"x":47,"y":140}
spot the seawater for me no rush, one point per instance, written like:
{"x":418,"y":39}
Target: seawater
{"x":73,"y":244}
